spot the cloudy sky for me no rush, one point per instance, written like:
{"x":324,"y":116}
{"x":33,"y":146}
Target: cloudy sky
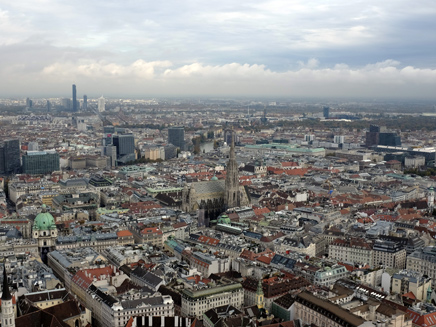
{"x":145,"y":48}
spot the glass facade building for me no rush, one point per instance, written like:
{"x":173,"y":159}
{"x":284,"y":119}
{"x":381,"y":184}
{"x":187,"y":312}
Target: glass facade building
{"x":40,"y":162}
{"x":176,"y":136}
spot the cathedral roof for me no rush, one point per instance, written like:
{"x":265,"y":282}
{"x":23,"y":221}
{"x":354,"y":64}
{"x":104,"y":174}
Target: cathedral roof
{"x":218,"y":186}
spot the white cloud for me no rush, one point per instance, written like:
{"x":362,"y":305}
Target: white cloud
{"x":382,"y":79}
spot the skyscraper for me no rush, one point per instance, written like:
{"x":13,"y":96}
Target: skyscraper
{"x":125,"y":144}
{"x":176,"y":136}
{"x":10,"y":162}
{"x":66,"y":103}
{"x":29,"y":103}
{"x":101,"y":104}
{"x":85,"y":102}
{"x":74,"y":98}
{"x":326,"y":112}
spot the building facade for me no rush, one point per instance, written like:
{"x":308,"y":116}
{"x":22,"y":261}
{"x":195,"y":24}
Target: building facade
{"x":197,"y":302}
{"x":40,"y":162}
{"x":176,"y":136}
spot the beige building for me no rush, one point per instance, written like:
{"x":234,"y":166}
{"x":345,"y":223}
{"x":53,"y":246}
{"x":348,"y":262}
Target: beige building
{"x":352,"y":251}
{"x":424,"y":262}
{"x":409,"y":281}
{"x":390,"y":254}
{"x":314,"y":310}
{"x":197,"y":302}
{"x":154,"y":153}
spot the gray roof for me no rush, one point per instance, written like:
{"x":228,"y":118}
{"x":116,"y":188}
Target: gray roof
{"x":218,"y":186}
{"x":149,"y":301}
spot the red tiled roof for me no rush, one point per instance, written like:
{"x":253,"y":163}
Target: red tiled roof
{"x":208,"y":240}
{"x":124,"y":233}
{"x":151,"y":230}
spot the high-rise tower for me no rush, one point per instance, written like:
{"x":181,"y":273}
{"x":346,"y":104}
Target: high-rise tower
{"x":101,"y":104}
{"x":176,"y":136}
{"x":85,"y":102}
{"x":10,"y":161}
{"x":8,"y":314}
{"x":232,"y":197}
{"x":74,"y":98}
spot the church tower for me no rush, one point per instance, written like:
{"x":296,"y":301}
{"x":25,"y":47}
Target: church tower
{"x":232,"y":197}
{"x":430,"y":198}
{"x":259,"y":295}
{"x":8,"y":314}
{"x":45,"y":232}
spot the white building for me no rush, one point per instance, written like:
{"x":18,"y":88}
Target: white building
{"x":339,"y":139}
{"x":101,"y":104}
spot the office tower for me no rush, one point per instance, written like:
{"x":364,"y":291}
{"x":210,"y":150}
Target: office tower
{"x":389,"y":139}
{"x":74,"y":98}
{"x":374,"y":129}
{"x":176,"y":136}
{"x":10,"y":161}
{"x":339,"y":139}
{"x":33,"y":146}
{"x":379,"y":135}
{"x":111,"y":152}
{"x":326,"y":112}
{"x":29,"y":103}
{"x":48,"y":106}
{"x":66,"y":103}
{"x":107,"y":140}
{"x":40,"y":162}
{"x":309,"y":137}
{"x":85,"y":102}
{"x":125,"y":144}
{"x":264,"y":120}
{"x":101,"y":104}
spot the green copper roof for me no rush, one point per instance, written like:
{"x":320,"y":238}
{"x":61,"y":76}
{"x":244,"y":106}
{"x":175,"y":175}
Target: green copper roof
{"x":224,"y":219}
{"x":44,"y":220}
{"x":259,"y":288}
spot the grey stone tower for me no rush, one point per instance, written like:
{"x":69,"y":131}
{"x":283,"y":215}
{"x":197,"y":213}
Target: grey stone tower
{"x":232,"y":197}
{"x":8,"y":314}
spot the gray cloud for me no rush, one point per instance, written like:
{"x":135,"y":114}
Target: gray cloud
{"x":191,"y":46}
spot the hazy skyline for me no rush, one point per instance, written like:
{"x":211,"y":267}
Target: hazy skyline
{"x":270,"y":48}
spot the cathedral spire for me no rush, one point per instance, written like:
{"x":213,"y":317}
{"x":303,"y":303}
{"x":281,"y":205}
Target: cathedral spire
{"x":6,"y":295}
{"x":232,"y":146}
{"x":232,"y":197}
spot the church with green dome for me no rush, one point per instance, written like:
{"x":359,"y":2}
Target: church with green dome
{"x":44,"y":230}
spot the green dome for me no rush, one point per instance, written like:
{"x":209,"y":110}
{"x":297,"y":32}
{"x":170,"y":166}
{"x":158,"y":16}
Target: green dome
{"x":224,"y":219}
{"x":214,"y":178}
{"x":44,"y":221}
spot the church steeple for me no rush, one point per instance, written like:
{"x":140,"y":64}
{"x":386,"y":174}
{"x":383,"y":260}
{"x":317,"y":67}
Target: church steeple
{"x":6,"y":294}
{"x":260,"y":295}
{"x":8,"y":314}
{"x":232,"y":198}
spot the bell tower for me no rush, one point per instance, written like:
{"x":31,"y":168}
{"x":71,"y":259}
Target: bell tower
{"x":260,"y":301}
{"x":8,"y":314}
